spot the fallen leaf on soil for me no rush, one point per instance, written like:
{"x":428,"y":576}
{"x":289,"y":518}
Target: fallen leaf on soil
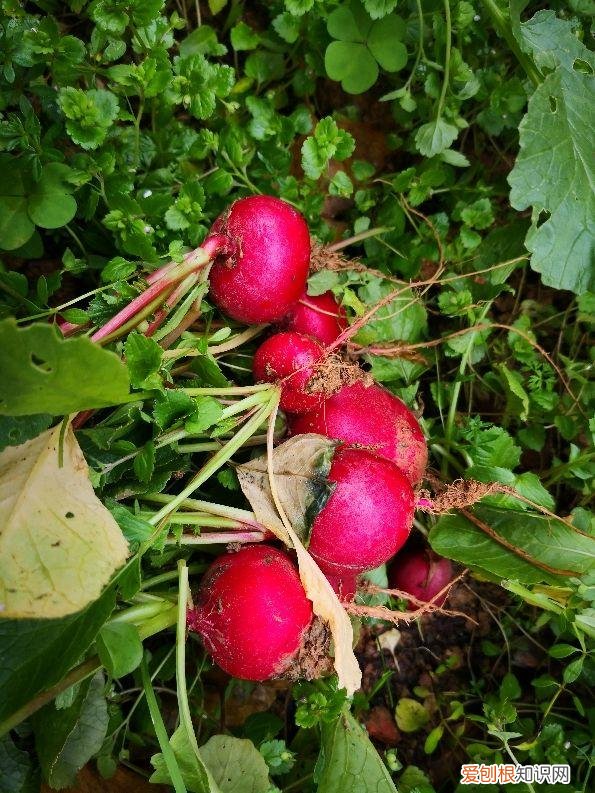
{"x":59,"y":545}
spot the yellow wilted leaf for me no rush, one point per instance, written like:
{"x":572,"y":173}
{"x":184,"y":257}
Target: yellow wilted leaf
{"x":295,"y":464}
{"x":59,"y":545}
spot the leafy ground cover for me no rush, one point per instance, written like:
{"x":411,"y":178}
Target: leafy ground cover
{"x":440,"y":152}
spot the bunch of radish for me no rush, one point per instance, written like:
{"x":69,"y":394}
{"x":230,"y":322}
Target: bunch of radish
{"x":251,"y":609}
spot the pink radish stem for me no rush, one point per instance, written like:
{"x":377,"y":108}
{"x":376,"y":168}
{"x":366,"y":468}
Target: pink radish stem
{"x":199,"y":259}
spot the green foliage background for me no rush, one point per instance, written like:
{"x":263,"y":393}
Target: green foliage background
{"x":448,"y":145}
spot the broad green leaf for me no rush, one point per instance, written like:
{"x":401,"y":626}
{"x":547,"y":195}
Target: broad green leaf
{"x":44,"y":373}
{"x":15,"y":430}
{"x":435,"y":137}
{"x":36,"y":654}
{"x":551,"y":41}
{"x":235,"y":765}
{"x":195,"y":774}
{"x":120,"y":648}
{"x":538,"y":537}
{"x":341,"y":25}
{"x":59,"y":545}
{"x":67,"y":739}
{"x":351,"y":64}
{"x":17,"y":772}
{"x":403,"y":319}
{"x":411,"y":715}
{"x":50,"y":203}
{"x":385,"y":43}
{"x":557,"y":181}
{"x":348,"y":761}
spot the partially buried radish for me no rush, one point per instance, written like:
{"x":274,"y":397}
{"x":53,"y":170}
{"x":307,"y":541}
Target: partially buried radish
{"x":369,"y":415}
{"x":290,"y":358}
{"x":320,"y":317}
{"x":366,"y":519}
{"x":263,"y":264}
{"x":252,"y":612}
{"x":421,"y":573}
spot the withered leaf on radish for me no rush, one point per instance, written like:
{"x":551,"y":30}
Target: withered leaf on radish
{"x":294,"y":464}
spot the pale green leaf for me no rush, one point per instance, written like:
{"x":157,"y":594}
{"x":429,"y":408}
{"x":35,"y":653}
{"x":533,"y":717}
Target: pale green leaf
{"x":235,"y":765}
{"x":59,"y":545}
{"x":435,"y":137}
{"x":348,"y":761}
{"x":411,"y":715}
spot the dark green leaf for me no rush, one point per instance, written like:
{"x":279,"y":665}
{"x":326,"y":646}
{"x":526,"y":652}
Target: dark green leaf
{"x":66,"y":739}
{"x":15,"y":430}
{"x":36,"y":654}
{"x":44,"y":373}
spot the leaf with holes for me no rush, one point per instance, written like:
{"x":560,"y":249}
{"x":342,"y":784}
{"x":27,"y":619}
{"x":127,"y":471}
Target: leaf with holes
{"x":557,"y":180}
{"x":59,"y":545}
{"x":44,"y":373}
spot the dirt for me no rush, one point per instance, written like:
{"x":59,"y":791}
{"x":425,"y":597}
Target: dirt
{"x":432,"y":661}
{"x":333,"y":373}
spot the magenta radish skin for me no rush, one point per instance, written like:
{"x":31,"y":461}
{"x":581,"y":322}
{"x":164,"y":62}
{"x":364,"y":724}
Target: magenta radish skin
{"x":263,"y":269}
{"x":251,"y":611}
{"x":421,"y":573}
{"x":370,"y":416}
{"x":320,"y":317}
{"x":367,"y":518}
{"x":289,"y":359}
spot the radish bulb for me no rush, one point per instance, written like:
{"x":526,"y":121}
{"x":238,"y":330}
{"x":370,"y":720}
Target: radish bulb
{"x":421,"y":573}
{"x":289,"y":358}
{"x":370,"y":416}
{"x":320,"y":317}
{"x":252,"y":612}
{"x":365,"y":521}
{"x":262,"y":270}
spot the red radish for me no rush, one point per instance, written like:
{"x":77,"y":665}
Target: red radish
{"x":370,"y":416}
{"x":263,"y":269}
{"x":289,"y":358}
{"x":421,"y":573}
{"x":320,"y":317}
{"x":367,"y":518}
{"x":252,"y":612}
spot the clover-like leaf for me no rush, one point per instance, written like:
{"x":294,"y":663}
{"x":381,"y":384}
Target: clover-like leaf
{"x":351,"y":64}
{"x":361,"y":45}
{"x":25,"y":203}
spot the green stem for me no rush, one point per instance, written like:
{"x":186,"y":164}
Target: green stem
{"x":183,"y":704}
{"x":452,"y":410}
{"x":164,"y":619}
{"x":76,"y":675}
{"x":216,"y":461}
{"x":243,"y":515}
{"x":228,"y":391}
{"x":446,"y":78}
{"x":503,"y":27}
{"x":160,"y":731}
{"x":171,"y":575}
